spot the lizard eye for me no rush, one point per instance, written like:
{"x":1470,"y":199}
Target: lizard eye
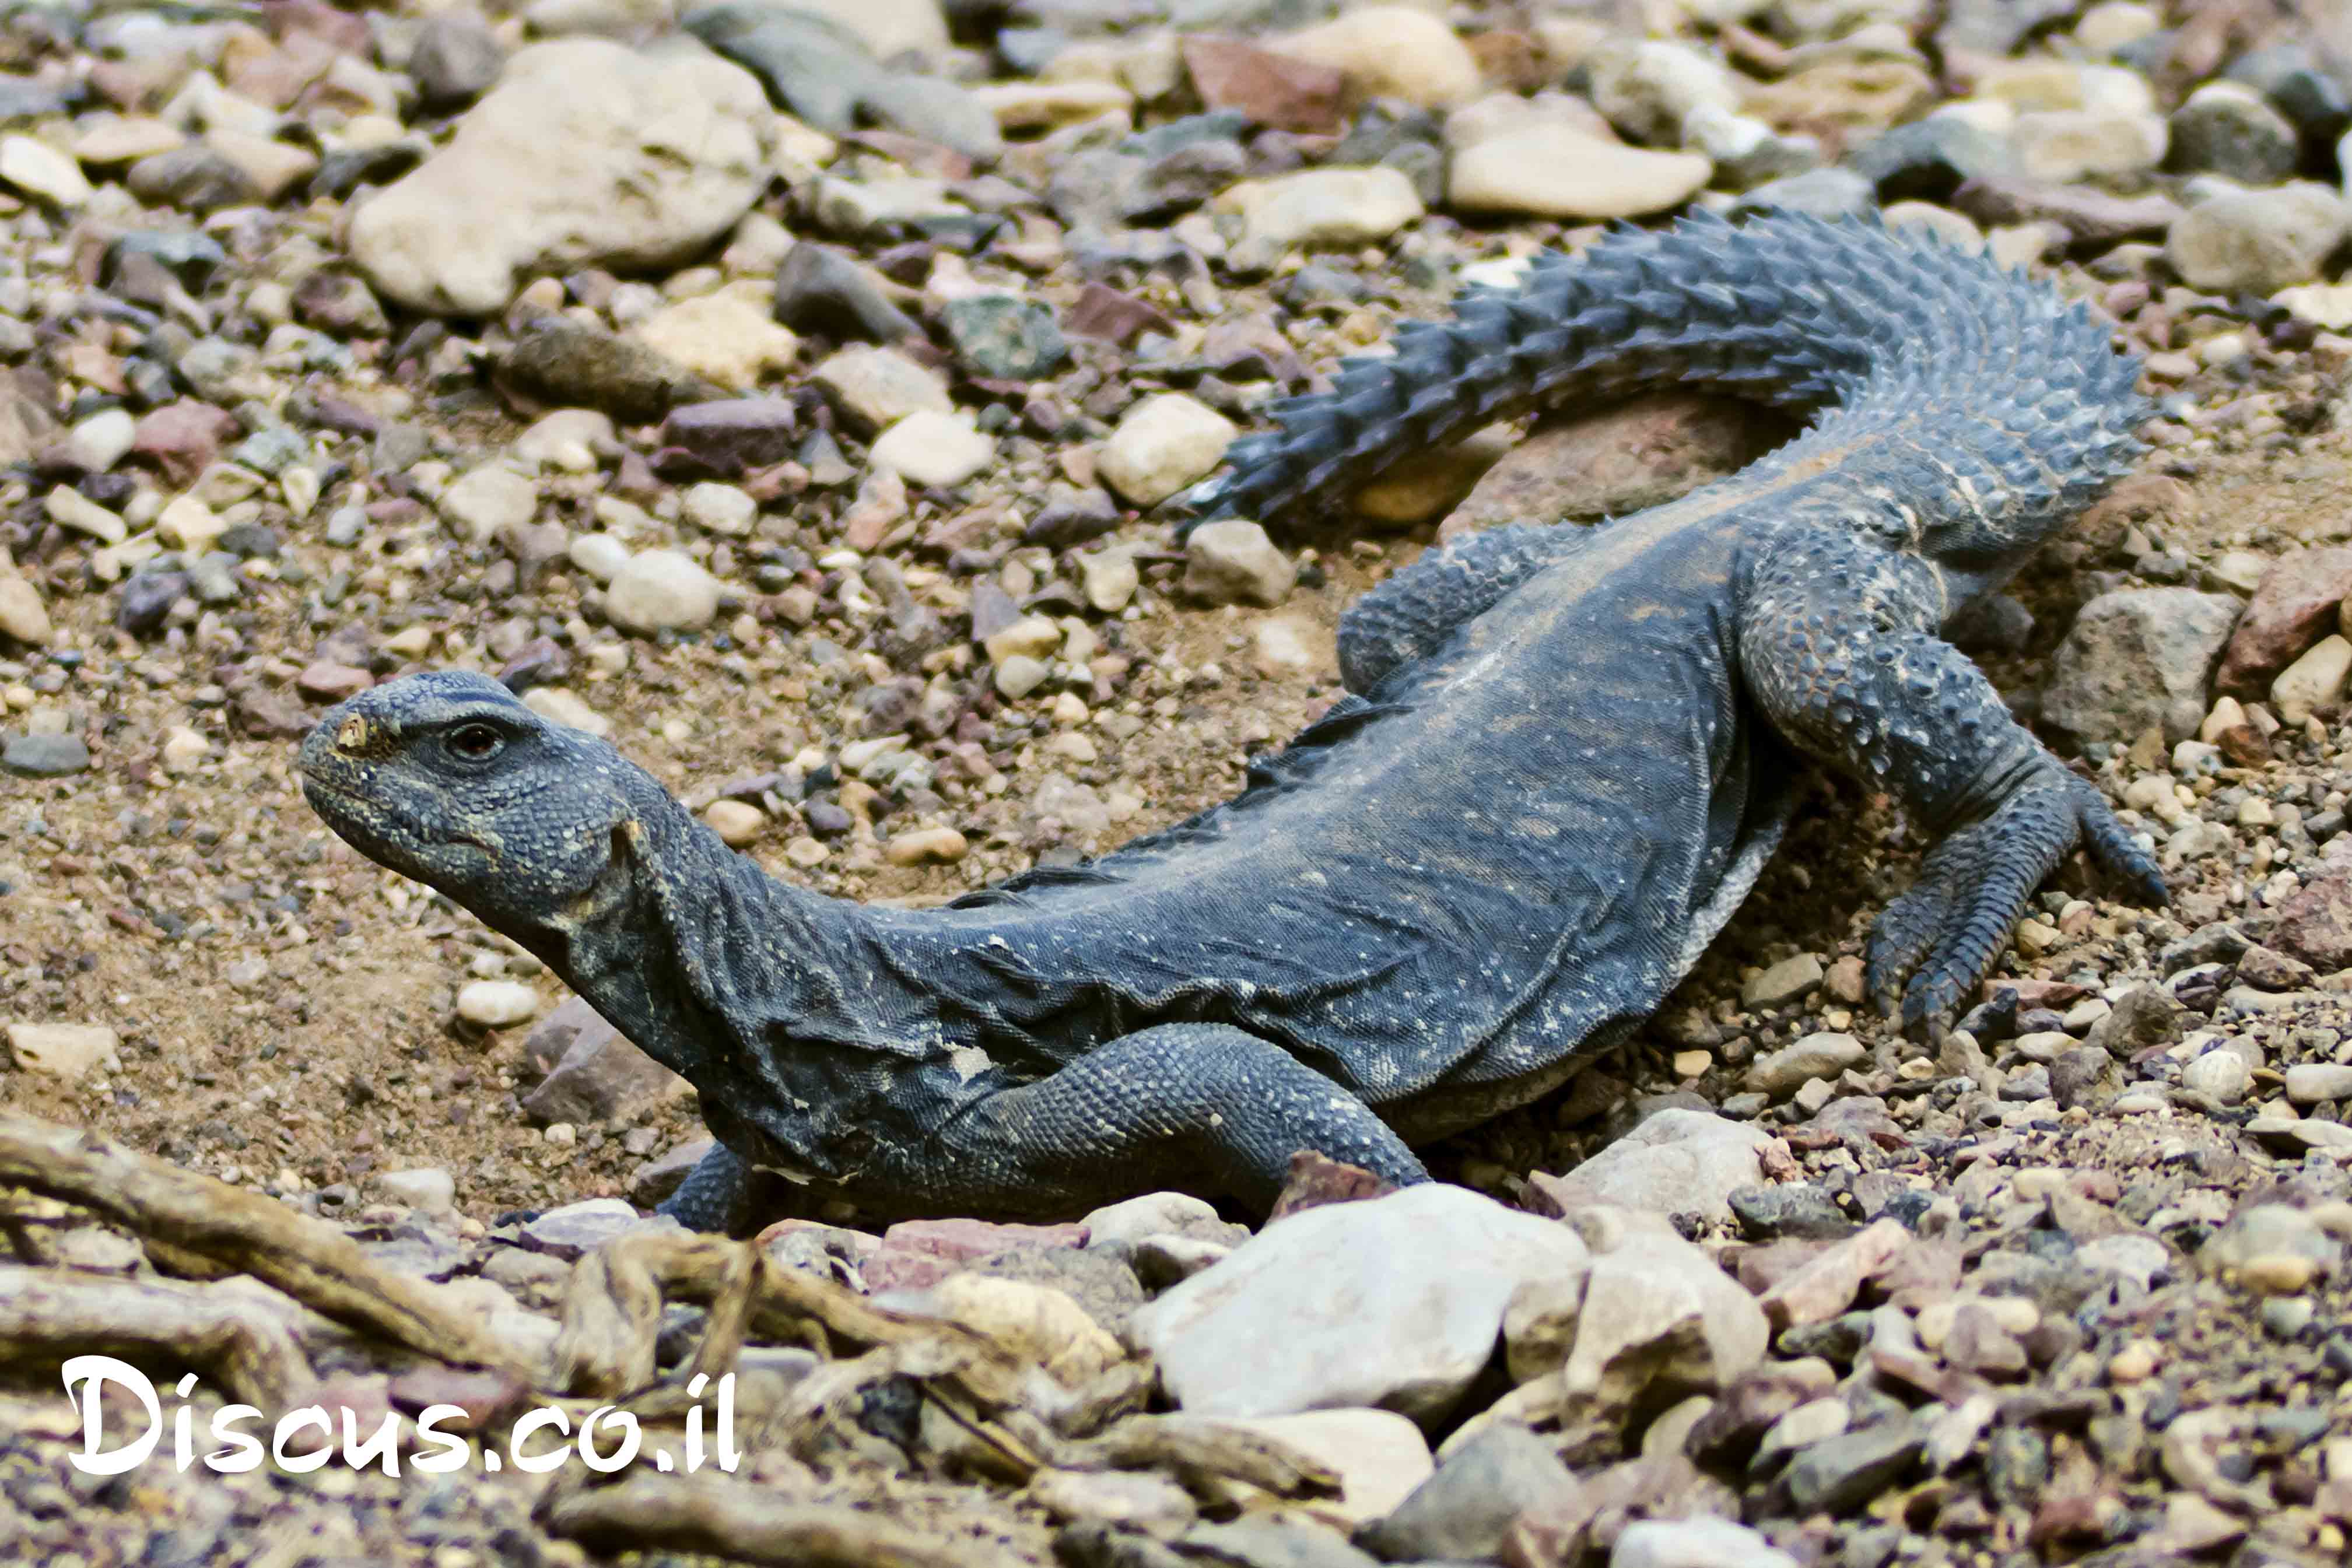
{"x":473,"y":742}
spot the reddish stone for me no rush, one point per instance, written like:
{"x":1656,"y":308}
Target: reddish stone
{"x":916,"y":1253}
{"x":484,"y":1397}
{"x":2296,"y":604}
{"x":2092,"y":218}
{"x":1104,"y":312}
{"x":266,"y":714}
{"x":183,"y":438}
{"x":1286,"y":93}
{"x":1828,"y":1285}
{"x":730,"y":434}
{"x":2314,"y":926}
{"x":2032,"y":993}
{"x":1317,"y":1179}
{"x":329,"y":682}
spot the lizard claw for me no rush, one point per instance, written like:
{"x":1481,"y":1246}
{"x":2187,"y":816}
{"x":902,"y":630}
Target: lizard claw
{"x":1932,"y":945}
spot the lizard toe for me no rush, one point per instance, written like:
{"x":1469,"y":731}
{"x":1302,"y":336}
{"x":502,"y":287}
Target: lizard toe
{"x":2114,"y":848}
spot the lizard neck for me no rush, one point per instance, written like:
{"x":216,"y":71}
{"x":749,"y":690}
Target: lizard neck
{"x":682,"y":940}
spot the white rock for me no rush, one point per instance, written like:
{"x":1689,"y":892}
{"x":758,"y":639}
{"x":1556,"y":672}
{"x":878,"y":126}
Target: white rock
{"x":21,"y":614}
{"x":2224,"y":1074}
{"x":1648,"y":87}
{"x":1556,"y":171}
{"x":1392,"y":51}
{"x":887,"y":26}
{"x":729,"y":337}
{"x":661,"y":590}
{"x":67,"y":1050}
{"x":39,"y":170}
{"x":1153,"y":1213}
{"x":1109,"y":578}
{"x":2258,"y":242}
{"x":69,"y":508}
{"x":586,"y":153}
{"x":495,"y":1004}
{"x":1378,"y":1455}
{"x":1316,"y":207}
{"x":2069,"y":145}
{"x":1393,"y":1301}
{"x":1231,"y":561}
{"x":489,"y":502}
{"x":567,"y":439}
{"x":1676,"y":1162}
{"x":930,"y":447}
{"x":601,"y":556}
{"x":737,"y":822}
{"x":2315,"y":680}
{"x":560,"y":705}
{"x":879,"y":387}
{"x":104,"y":439}
{"x":428,"y":1187}
{"x":183,"y":750}
{"x":1697,"y":1542}
{"x":1161,"y":445}
{"x":720,"y":508}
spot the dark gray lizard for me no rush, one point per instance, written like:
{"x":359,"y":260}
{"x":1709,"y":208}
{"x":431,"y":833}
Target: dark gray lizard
{"x":1564,"y":758}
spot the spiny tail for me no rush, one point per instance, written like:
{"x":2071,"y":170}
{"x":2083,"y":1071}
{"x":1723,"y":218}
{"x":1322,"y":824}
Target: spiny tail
{"x":1786,"y":310}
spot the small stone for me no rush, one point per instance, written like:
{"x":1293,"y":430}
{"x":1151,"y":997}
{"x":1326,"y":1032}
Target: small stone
{"x":2258,"y":242}
{"x":1107,"y":577}
{"x":1161,"y":445}
{"x":2312,"y":1083}
{"x":491,"y":502}
{"x":1789,"y":980}
{"x":1232,"y":561}
{"x":1315,"y":208}
{"x":44,"y":756}
{"x":456,"y":60}
{"x":23,"y":616}
{"x":2067,"y":145}
{"x":1393,"y":1301}
{"x":927,"y":846}
{"x":727,"y":437}
{"x":1558,"y":172}
{"x":737,"y":822}
{"x":597,"y":1074}
{"x":1004,"y":337}
{"x":1020,"y":675}
{"x":2224,"y":128}
{"x":427,"y":1187}
{"x":728,"y":337}
{"x":2222,"y":1073}
{"x":1826,"y":1286}
{"x":2313,"y":681}
{"x":1845,"y":1472}
{"x":2296,"y":602}
{"x":1697,"y":1543}
{"x":718,"y":508}
{"x":879,"y":387}
{"x":67,"y":1050}
{"x":1824,"y":1056}
{"x":1391,"y":51}
{"x":2136,"y":659}
{"x":577,"y":1228}
{"x":39,"y":170}
{"x":496,"y":1004}
{"x":933,"y":448}
{"x":1462,"y":1512}
{"x":1277,"y":89}
{"x":1650,"y":87}
{"x":661,"y":590}
{"x":1675,"y":1162}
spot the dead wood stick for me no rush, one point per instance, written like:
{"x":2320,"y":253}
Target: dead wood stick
{"x":736,"y":1518}
{"x":179,"y":1212}
{"x":50,"y":1314}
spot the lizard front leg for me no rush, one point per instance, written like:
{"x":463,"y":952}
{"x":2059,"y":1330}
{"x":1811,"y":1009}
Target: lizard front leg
{"x":1837,"y":646}
{"x":1202,"y":1107}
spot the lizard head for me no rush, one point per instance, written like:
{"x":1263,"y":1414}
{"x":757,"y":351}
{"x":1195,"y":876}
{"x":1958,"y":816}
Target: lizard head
{"x":447,"y":778}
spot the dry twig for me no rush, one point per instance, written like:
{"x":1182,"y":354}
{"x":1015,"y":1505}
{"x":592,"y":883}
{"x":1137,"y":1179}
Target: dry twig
{"x":735,"y":1519}
{"x":48,"y":1315}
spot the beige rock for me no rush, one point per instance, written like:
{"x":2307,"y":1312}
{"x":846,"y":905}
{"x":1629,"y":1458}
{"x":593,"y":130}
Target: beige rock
{"x":1037,"y":1322}
{"x":2258,"y":242}
{"x":23,"y":616}
{"x":273,"y":167}
{"x":660,"y":590}
{"x":1316,"y":207}
{"x":1033,"y":635}
{"x":1109,"y":578}
{"x":887,"y":26}
{"x":1232,"y":562}
{"x":112,"y":142}
{"x":737,"y":822}
{"x":565,"y":707}
{"x":187,"y":523}
{"x":2066,"y":146}
{"x":586,"y":154}
{"x":489,"y":502}
{"x":879,"y":387}
{"x":1392,"y":51}
{"x":927,"y":846}
{"x":37,"y":169}
{"x":2315,"y":680}
{"x":1559,"y":172}
{"x":1378,"y":1455}
{"x":933,"y":447}
{"x":1042,"y":105}
{"x":726,"y":336}
{"x":1161,"y":445}
{"x":1423,"y":485}
{"x":67,"y":1050}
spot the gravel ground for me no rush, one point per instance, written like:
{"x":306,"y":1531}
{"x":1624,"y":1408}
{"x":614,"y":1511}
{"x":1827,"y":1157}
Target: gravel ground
{"x":784,"y":392}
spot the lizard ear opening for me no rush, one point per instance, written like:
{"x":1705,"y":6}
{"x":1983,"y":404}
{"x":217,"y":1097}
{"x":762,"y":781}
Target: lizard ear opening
{"x":629,"y":842}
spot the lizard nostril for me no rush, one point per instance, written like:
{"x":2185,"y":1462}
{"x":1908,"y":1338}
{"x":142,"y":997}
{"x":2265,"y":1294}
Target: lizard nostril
{"x":352,"y":735}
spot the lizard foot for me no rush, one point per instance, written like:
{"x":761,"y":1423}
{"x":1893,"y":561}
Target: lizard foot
{"x":1937,"y":940}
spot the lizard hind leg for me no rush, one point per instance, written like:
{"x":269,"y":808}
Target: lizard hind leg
{"x":1411,"y":616}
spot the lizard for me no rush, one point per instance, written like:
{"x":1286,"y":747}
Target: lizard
{"x":1562,"y":758}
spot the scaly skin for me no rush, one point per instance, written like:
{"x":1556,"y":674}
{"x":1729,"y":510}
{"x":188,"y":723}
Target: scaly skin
{"x":1565,"y":758}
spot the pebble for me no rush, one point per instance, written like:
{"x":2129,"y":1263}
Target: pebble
{"x":934,"y":448}
{"x":1558,"y":172}
{"x":586,"y":153}
{"x":661,"y":590}
{"x":1161,"y":445}
{"x":2312,"y":1083}
{"x":1675,"y":1162}
{"x":2226,"y":128}
{"x":44,"y":756}
{"x":576,"y":1228}
{"x":496,"y":1004}
{"x":2313,"y":681}
{"x":1107,"y":577}
{"x":39,"y":170}
{"x":2138,"y":658}
{"x":737,"y":822}
{"x":597,"y":1074}
{"x":926,"y":846}
{"x":1392,"y":1301}
{"x":1392,"y":51}
{"x":1789,"y":980}
{"x":1842,"y":1473}
{"x":1380,"y":1456}
{"x":726,"y":337}
{"x":2068,"y":146}
{"x":64,"y":1050}
{"x":1463,"y":1511}
{"x":566,"y":708}
{"x":2258,"y":242}
{"x":2222,"y":1074}
{"x":1315,"y":208}
{"x":1698,"y":1542}
{"x":23,"y":615}
{"x":718,"y":508}
{"x":1232,"y":562}
{"x":491,"y":502}
{"x":879,"y":387}
{"x":428,"y":1187}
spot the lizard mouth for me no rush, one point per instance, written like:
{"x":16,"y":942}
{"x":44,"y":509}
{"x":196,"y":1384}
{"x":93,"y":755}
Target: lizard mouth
{"x":357,"y":817}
